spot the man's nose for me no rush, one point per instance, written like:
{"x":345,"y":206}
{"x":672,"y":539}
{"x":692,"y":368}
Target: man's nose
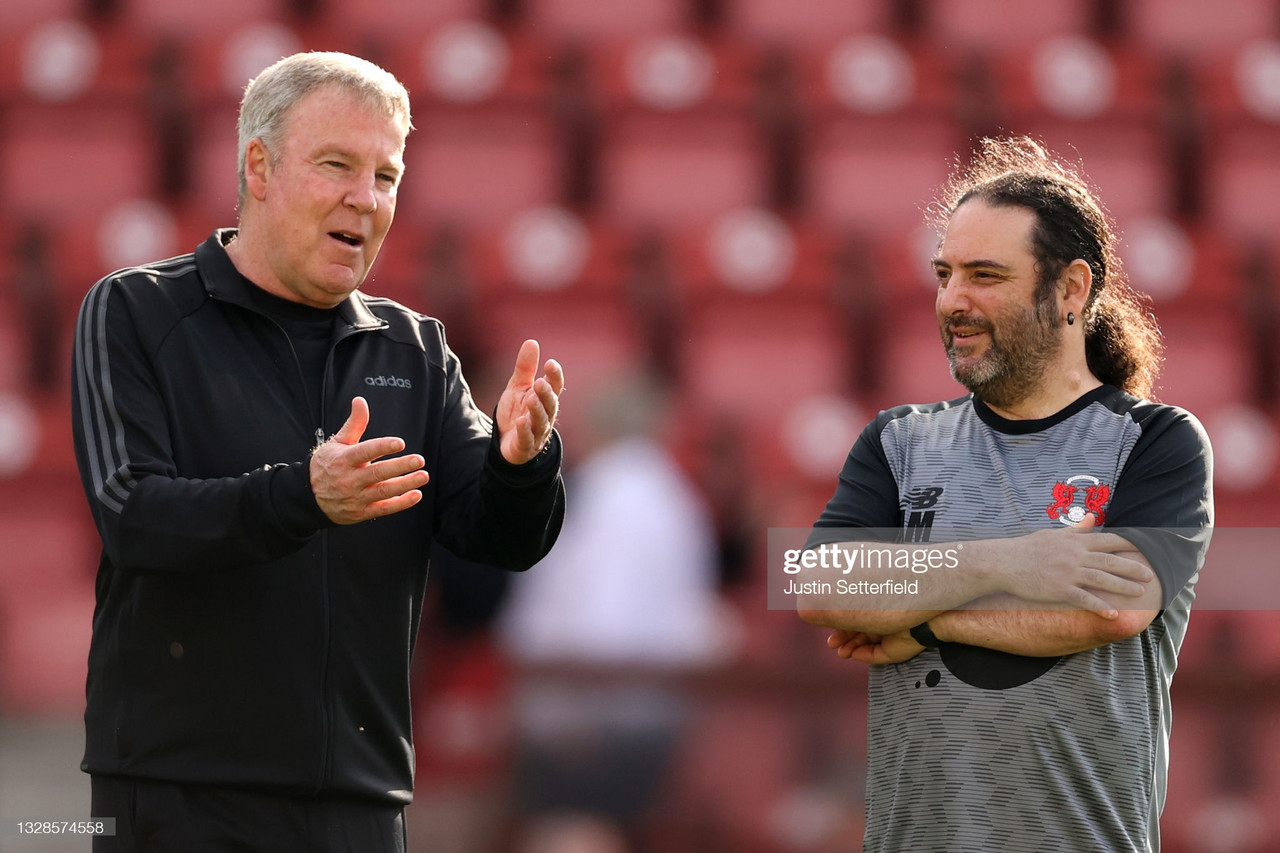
{"x":953,"y":298}
{"x":361,"y":198}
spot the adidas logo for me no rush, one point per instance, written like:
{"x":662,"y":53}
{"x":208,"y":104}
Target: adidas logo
{"x":387,"y":382}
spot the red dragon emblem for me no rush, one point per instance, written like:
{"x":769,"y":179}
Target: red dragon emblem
{"x":1095,"y":498}
{"x":1063,"y":497}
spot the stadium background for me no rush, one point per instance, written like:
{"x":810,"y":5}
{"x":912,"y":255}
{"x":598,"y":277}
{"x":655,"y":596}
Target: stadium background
{"x":728,"y":193}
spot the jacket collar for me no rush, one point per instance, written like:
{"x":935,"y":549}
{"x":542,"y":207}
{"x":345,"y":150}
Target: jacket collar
{"x":224,"y":282}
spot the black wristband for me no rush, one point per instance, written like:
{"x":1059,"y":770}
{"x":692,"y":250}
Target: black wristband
{"x":923,"y":635}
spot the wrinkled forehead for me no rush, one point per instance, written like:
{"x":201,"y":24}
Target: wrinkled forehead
{"x":332,"y":113}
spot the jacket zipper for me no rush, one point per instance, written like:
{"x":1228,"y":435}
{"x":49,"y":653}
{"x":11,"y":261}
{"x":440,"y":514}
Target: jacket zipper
{"x":326,"y":698}
{"x":326,"y":711}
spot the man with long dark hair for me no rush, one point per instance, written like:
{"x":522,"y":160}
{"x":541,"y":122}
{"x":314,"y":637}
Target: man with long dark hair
{"x":1019,"y":699}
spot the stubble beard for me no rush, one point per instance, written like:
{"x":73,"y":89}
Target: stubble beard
{"x":1017,"y":356}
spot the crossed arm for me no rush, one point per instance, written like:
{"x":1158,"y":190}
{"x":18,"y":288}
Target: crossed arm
{"x":1049,"y":593}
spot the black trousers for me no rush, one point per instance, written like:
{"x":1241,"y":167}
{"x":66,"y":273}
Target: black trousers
{"x":167,"y":817}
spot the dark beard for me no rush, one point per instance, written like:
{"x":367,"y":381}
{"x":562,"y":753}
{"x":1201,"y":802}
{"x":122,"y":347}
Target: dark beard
{"x":1015,"y":362}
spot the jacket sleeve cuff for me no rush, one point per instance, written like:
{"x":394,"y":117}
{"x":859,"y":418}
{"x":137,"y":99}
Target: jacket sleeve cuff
{"x":536,"y":472}
{"x":297,"y":512}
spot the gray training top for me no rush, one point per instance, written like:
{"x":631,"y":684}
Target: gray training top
{"x":977,"y":750}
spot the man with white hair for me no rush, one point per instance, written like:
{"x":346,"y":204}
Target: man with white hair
{"x":260,"y":585}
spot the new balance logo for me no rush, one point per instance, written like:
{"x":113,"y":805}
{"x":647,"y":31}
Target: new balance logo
{"x":387,"y":382}
{"x":924,"y":497}
{"x":920,"y":520}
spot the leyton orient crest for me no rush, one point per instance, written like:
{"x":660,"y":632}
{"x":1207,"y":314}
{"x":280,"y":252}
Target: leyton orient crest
{"x":1077,"y":497}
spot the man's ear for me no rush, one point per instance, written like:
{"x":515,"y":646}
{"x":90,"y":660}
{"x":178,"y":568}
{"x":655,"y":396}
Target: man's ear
{"x":257,"y":168}
{"x":1076,"y":281}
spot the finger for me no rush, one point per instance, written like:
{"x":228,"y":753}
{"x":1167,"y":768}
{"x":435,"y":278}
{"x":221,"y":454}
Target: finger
{"x":546,"y":393}
{"x":838,"y":639}
{"x":357,"y":422}
{"x":870,"y":653}
{"x":389,"y":469}
{"x":1109,"y":542}
{"x":374,"y":448}
{"x":539,"y":417}
{"x":1104,"y":582}
{"x":393,"y":487}
{"x":555,"y":375}
{"x":1120,"y":566}
{"x":526,"y":365}
{"x":392,"y":505}
{"x":525,"y":440}
{"x":1086,"y":600}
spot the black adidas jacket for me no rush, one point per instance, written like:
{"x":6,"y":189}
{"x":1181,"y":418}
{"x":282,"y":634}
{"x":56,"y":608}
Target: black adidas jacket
{"x":239,"y":637}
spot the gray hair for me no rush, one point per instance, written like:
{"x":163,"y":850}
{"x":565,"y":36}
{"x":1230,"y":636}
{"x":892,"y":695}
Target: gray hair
{"x":269,"y":97}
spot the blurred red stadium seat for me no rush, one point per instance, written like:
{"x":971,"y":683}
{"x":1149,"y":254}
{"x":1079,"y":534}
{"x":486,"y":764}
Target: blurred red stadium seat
{"x":593,"y":338}
{"x":1243,"y":183}
{"x":753,"y":359}
{"x":13,"y":360}
{"x":119,"y":54}
{"x":194,"y":21}
{"x":1207,"y":362}
{"x":1124,"y":160}
{"x":873,"y":75}
{"x":478,"y":167}
{"x":1213,"y":279}
{"x":679,"y":170}
{"x":20,"y":14}
{"x":814,"y":22}
{"x":978,"y":24}
{"x":1196,"y":28}
{"x":1081,"y":78}
{"x":44,"y":653}
{"x":879,"y":176}
{"x":49,"y":549}
{"x":68,"y":164}
{"x":213,"y":182}
{"x":378,"y":21}
{"x":561,"y":21}
{"x":915,"y":365}
{"x":464,"y":61}
{"x":46,"y":594}
{"x":495,"y":261}
{"x":693,"y":251}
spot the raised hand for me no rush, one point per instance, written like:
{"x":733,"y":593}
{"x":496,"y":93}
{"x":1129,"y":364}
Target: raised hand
{"x":528,"y":406}
{"x":350,"y":486}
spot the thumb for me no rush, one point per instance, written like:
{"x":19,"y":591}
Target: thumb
{"x":356,"y":423}
{"x":526,"y":365}
{"x":1089,"y":522}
